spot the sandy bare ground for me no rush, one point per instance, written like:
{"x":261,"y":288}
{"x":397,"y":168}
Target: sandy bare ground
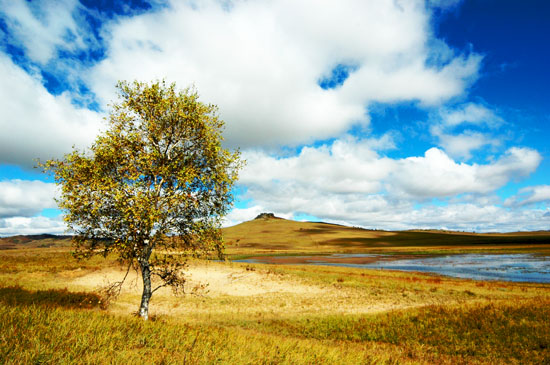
{"x":226,"y":291}
{"x":206,"y":280}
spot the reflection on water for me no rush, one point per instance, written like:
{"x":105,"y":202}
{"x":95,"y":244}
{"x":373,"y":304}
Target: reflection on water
{"x":516,"y":267}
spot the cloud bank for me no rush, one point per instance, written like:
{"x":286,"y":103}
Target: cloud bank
{"x":24,"y":198}
{"x":36,"y":124}
{"x":287,"y":76}
{"x":262,"y":62}
{"x":349,"y":181}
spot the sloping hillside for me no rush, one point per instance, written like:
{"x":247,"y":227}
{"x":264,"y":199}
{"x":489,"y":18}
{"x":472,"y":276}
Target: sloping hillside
{"x":269,"y":234}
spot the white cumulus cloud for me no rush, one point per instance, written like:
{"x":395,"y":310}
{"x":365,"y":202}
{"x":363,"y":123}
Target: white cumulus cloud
{"x":530,"y":195}
{"x":470,"y":113}
{"x":261,"y":62}
{"x":436,"y":175}
{"x":36,"y":124}
{"x":42,"y":27}
{"x":380,"y":212}
{"x":352,"y":166}
{"x":25,"y":198}
{"x":463,"y":144}
{"x":31,"y":225}
{"x":348,"y":181}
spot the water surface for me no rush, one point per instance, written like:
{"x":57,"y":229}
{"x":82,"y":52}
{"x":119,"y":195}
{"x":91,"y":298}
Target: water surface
{"x":512,"y":267}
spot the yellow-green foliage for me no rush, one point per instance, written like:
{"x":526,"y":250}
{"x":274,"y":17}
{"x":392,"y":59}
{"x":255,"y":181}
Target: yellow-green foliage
{"x":159,"y":169}
{"x":153,"y":186}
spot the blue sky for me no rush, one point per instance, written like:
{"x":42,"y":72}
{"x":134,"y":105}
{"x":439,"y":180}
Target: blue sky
{"x":380,"y":114}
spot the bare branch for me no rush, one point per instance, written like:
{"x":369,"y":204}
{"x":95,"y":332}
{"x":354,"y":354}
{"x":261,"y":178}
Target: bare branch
{"x":112,"y":291}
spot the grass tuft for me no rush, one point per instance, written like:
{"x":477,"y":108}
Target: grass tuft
{"x":17,"y":296}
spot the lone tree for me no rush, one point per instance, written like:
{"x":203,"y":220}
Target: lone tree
{"x":153,"y":187}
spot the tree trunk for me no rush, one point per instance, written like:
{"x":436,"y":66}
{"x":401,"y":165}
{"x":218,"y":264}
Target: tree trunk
{"x":146,"y":296}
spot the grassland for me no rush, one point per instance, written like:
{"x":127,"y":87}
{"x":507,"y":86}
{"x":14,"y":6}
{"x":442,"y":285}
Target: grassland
{"x":52,"y":312}
{"x":280,"y":236}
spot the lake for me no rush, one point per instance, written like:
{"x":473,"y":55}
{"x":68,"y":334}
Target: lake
{"x":506,"y":267}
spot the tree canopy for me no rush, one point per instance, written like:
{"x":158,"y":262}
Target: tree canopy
{"x":153,"y":187}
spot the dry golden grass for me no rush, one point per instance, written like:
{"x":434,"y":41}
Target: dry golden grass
{"x":266,"y":314}
{"x":280,"y":236}
{"x":254,"y":313}
{"x":237,"y":291}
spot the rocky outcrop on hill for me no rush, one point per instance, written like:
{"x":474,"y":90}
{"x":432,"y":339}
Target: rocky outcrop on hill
{"x":266,"y":216}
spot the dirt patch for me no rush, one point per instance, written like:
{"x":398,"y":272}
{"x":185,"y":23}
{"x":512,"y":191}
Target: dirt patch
{"x":237,"y":281}
{"x":216,"y":279}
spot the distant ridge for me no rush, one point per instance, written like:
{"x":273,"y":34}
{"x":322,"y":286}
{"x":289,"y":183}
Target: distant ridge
{"x":34,"y":237}
{"x":32,"y":240}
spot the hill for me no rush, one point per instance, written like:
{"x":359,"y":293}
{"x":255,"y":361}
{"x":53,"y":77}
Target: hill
{"x":33,"y":241}
{"x":270,"y":234}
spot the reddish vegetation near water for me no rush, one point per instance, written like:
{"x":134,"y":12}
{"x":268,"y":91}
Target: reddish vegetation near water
{"x":328,"y":259}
